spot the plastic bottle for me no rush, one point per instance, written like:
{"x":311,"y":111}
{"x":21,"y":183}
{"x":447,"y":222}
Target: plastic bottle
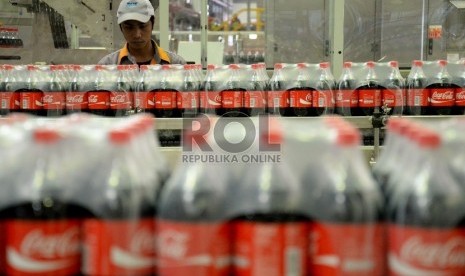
{"x":323,"y":94}
{"x":426,"y":216}
{"x":442,"y":91}
{"x":369,"y":91}
{"x":393,"y":93}
{"x":254,"y":96}
{"x":210,"y":96}
{"x":80,"y":84}
{"x":300,"y":95}
{"x":194,"y":235}
{"x":278,"y":96}
{"x":232,"y":93}
{"x":417,"y":93}
{"x":10,"y":99}
{"x":346,"y":95}
{"x":121,"y":98}
{"x":188,"y":100}
{"x":165,"y":95}
{"x":102,"y":86}
{"x":54,"y":98}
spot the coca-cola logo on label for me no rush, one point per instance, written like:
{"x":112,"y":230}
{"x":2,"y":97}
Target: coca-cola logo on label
{"x":143,"y":241}
{"x":118,"y":99}
{"x":47,"y":99}
{"x":93,"y":99}
{"x":308,"y":97}
{"x":218,"y":98}
{"x":460,"y":95}
{"x":75,"y":99}
{"x":173,"y":244}
{"x":447,"y":95}
{"x":339,"y":96}
{"x":36,"y":243}
{"x":442,"y":254}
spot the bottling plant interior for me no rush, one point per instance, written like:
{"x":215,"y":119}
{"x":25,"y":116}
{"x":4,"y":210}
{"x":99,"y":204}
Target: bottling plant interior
{"x":232,"y":137}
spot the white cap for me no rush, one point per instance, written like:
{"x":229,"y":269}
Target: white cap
{"x":140,"y":10}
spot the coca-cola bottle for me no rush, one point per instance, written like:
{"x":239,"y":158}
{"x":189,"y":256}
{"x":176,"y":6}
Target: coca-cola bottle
{"x":300,"y":95}
{"x":271,"y":234}
{"x":144,"y":97}
{"x":417,"y":93}
{"x":121,"y":98}
{"x":80,"y":84}
{"x":323,"y":94}
{"x":442,"y":91}
{"x":346,"y":94}
{"x":210,"y":96}
{"x":31,"y":95}
{"x":278,"y":96}
{"x":41,"y":229}
{"x":393,"y":93}
{"x":99,"y":95}
{"x":165,"y":95}
{"x":426,"y":216}
{"x":369,"y":91}
{"x":188,"y":95}
{"x":194,"y":235}
{"x":119,"y":237}
{"x":345,"y":206}
{"x":54,"y":98}
{"x":254,"y":96}
{"x":9,"y":97}
{"x":232,"y":93}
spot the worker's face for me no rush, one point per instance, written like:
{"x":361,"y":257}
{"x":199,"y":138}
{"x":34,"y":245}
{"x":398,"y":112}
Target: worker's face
{"x":136,"y":33}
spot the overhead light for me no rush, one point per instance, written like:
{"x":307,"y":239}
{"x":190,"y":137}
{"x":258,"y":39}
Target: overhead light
{"x":459,"y":4}
{"x":253,"y":36}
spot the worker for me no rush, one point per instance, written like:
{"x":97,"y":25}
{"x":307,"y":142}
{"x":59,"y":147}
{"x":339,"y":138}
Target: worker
{"x":136,"y":19}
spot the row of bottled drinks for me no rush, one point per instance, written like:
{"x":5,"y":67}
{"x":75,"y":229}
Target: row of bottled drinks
{"x":168,"y":91}
{"x":94,"y":197}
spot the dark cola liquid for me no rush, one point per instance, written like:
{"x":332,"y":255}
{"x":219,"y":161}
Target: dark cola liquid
{"x":369,"y":98}
{"x":442,"y":97}
{"x":232,"y":103}
{"x":417,"y":97}
{"x":99,"y":102}
{"x":393,"y":97}
{"x":165,"y":103}
{"x":31,"y":101}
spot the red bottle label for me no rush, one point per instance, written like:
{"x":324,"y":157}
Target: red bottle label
{"x":10,"y":100}
{"x":342,"y":249}
{"x":422,"y":251}
{"x":418,"y":97}
{"x":347,"y":98}
{"x":232,"y":98}
{"x":193,"y":248}
{"x":254,"y":99}
{"x":76,"y":101}
{"x":35,"y":247}
{"x":271,"y":249}
{"x":393,"y":98}
{"x":188,"y":100}
{"x":300,"y":98}
{"x":278,"y":99}
{"x":54,"y":100}
{"x":31,"y":100}
{"x":442,"y":96}
{"x":165,"y":99}
{"x":323,"y":98}
{"x":369,"y":97}
{"x":120,"y":100}
{"x":210,"y":99}
{"x":144,"y":100}
{"x":2,"y":246}
{"x":98,"y":100}
{"x":118,"y":247}
{"x":460,"y":96}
